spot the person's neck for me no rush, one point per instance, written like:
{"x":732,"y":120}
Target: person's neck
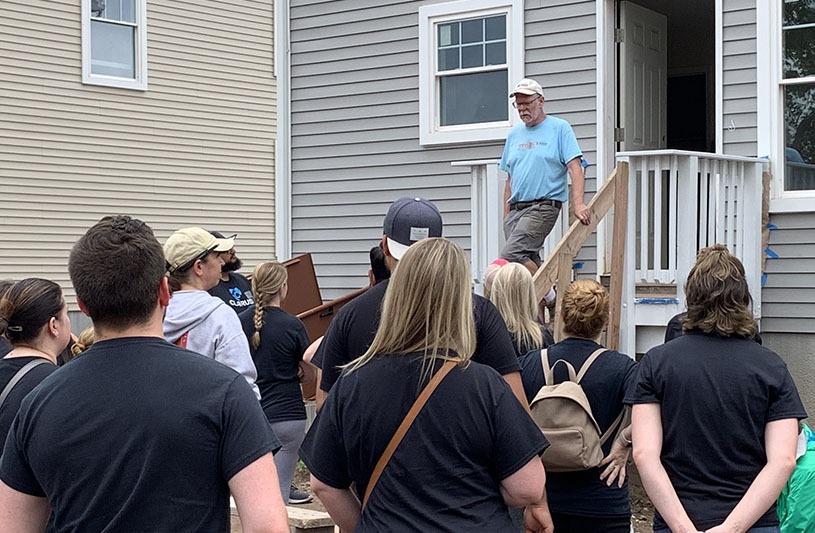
{"x":152,"y":328}
{"x":25,"y":350}
{"x":540,"y":119}
{"x":224,"y":276}
{"x":192,"y":286}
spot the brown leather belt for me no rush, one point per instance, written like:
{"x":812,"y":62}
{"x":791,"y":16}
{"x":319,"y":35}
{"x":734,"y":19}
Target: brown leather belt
{"x":542,"y":201}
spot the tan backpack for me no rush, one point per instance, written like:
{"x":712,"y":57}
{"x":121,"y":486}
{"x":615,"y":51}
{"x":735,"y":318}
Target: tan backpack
{"x":564,"y":415}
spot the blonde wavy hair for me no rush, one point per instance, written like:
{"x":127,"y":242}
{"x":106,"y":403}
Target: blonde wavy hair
{"x":83,"y":342}
{"x":584,"y":309}
{"x":267,"y":280}
{"x":427,"y":308}
{"x":717,"y":295}
{"x":513,"y":293}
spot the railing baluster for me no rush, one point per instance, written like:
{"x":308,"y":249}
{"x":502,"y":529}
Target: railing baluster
{"x":703,"y":207}
{"x":672,"y":213}
{"x":659,"y":208}
{"x":644,"y":229}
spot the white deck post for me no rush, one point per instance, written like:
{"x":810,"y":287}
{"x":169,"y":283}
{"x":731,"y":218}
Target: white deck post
{"x":628,"y":311}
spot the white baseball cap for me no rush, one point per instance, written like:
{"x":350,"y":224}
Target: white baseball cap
{"x":527,"y":86}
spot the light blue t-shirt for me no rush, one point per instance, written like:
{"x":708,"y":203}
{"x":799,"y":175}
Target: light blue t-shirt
{"x":536,"y":160}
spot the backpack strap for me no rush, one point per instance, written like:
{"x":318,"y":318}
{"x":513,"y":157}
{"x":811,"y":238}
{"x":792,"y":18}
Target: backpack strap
{"x":617,"y":422}
{"x":549,"y":371}
{"x":592,"y":358}
{"x":18,"y":376}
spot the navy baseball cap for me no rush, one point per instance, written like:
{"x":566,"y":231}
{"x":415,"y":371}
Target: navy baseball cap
{"x":410,"y":220}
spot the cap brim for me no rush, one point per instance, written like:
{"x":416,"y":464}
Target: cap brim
{"x":528,"y":92}
{"x":224,"y":245}
{"x":396,"y":249}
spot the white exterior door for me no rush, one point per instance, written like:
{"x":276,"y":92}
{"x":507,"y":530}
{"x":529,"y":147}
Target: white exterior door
{"x":643,"y":78}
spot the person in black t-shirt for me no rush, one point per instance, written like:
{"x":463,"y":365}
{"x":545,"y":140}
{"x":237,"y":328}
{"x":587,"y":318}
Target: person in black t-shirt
{"x":233,"y":288}
{"x":350,"y":333}
{"x":277,"y":341}
{"x":34,"y":317}
{"x":513,"y":293}
{"x":596,"y":499}
{"x":136,"y":434}
{"x":471,"y":452}
{"x":715,"y":416}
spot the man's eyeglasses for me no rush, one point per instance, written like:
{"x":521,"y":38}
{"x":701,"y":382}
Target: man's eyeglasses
{"x":516,"y":105}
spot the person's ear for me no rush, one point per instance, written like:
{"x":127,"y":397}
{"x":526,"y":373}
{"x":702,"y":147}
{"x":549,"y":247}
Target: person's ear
{"x":53,"y":327}
{"x":164,"y":292}
{"x":385,"y":248}
{"x":82,"y":307}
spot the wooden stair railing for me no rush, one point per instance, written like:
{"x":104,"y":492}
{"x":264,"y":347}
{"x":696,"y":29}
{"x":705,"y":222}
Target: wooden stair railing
{"x":558,"y":266}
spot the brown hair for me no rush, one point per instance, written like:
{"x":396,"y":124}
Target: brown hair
{"x":717,"y":295}
{"x":267,"y":280}
{"x":584,"y":309}
{"x":427,"y":308}
{"x":513,"y":293}
{"x":116,"y":269}
{"x":28,"y":306}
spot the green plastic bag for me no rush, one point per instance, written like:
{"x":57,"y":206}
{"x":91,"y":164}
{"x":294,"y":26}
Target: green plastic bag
{"x":796,"y":504}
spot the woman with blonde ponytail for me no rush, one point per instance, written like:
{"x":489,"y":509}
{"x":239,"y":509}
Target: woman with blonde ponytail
{"x":513,"y":293}
{"x":277,"y":341}
{"x":471,"y":452}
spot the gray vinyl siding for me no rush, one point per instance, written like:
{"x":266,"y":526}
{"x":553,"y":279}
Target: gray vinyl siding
{"x":354,"y":124}
{"x":197,"y":148}
{"x":739,"y":78}
{"x":788,"y":297}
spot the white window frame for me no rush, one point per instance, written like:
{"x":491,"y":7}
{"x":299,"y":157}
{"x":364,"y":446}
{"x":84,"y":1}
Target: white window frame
{"x":769,"y":42}
{"x":140,"y":46}
{"x":430,"y":133}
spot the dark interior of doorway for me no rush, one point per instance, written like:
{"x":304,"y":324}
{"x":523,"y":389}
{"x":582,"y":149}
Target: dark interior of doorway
{"x":688,"y":112}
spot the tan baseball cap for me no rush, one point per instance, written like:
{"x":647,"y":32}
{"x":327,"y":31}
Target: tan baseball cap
{"x":188,"y":244}
{"x":527,"y":86}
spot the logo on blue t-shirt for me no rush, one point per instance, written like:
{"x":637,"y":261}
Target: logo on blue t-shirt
{"x":236,"y":293}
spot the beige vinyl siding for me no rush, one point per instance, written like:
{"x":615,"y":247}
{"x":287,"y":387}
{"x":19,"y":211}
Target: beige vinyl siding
{"x":355,"y":117}
{"x":197,"y":148}
{"x":739,"y":75}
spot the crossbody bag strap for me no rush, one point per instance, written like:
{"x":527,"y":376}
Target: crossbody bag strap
{"x":18,"y":376}
{"x":404,"y":426}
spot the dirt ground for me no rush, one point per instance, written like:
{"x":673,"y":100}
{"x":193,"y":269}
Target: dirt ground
{"x":642,"y":512}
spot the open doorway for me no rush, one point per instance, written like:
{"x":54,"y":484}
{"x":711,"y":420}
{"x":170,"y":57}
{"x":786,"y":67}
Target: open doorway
{"x":666,"y":102}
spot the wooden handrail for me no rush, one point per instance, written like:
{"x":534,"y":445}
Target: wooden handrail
{"x":558,"y":265}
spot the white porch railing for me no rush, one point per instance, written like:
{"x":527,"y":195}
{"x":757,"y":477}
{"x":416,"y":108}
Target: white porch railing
{"x":685,"y":201}
{"x":679,"y":202}
{"x":487,"y":216}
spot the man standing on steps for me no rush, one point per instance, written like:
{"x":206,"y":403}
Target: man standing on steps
{"x":233,"y":288}
{"x":537,"y":156}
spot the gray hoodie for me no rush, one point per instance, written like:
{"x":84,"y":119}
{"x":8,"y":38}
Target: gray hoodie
{"x":213,"y":331}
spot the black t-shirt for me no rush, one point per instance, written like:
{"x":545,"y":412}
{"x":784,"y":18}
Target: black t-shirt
{"x":283,"y":339}
{"x":445,"y":474}
{"x":716,"y":396}
{"x":353,"y":329}
{"x":548,"y":340}
{"x":136,"y":435}
{"x":605,"y":384}
{"x":10,"y":367}
{"x":236,"y":292}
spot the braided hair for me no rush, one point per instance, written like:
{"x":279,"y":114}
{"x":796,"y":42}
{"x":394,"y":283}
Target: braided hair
{"x":267,"y":280}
